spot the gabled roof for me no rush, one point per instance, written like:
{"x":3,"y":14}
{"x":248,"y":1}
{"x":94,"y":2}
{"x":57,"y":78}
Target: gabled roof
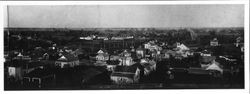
{"x":20,"y":54}
{"x":125,"y":52}
{"x":183,"y":47}
{"x":67,"y":57}
{"x":214,"y":66}
{"x":208,"y":58}
{"x":214,"y":40}
{"x":206,"y":52}
{"x":101,"y":51}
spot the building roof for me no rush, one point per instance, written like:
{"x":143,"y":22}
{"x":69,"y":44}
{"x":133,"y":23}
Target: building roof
{"x":183,"y":47}
{"x":128,"y":75}
{"x":101,"y":51}
{"x":67,"y":57}
{"x":206,"y":52}
{"x":208,"y":58}
{"x":214,"y":40}
{"x":129,"y":69}
{"x":169,"y":52}
{"x":126,"y":52}
{"x":214,"y":66}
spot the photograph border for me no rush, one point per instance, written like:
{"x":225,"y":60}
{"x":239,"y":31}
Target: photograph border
{"x":3,"y":5}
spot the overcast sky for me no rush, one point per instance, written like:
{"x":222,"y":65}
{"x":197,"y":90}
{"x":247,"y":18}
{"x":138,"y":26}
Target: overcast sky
{"x":114,"y":16}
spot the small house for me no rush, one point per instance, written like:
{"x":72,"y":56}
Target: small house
{"x":67,"y":60}
{"x":126,"y":59}
{"x":148,"y":65}
{"x":20,"y":56}
{"x":38,"y":77}
{"x":206,"y":53}
{"x":214,"y":42}
{"x":102,"y":55}
{"x":126,"y":75}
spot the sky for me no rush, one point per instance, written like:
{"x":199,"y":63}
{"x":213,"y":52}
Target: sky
{"x":124,"y":16}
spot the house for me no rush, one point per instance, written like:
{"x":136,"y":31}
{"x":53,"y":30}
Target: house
{"x":101,"y":58}
{"x":206,"y":60}
{"x":215,"y":66}
{"x":15,"y":71}
{"x":103,"y":38}
{"x":117,"y":38}
{"x":206,"y":53}
{"x":132,"y":49}
{"x":102,"y":55}
{"x":67,"y":60}
{"x":18,"y":68}
{"x":20,"y":56}
{"x":88,"y":37}
{"x":126,"y":74}
{"x":38,"y":53}
{"x":140,"y":52}
{"x":126,"y":59}
{"x":239,"y":41}
{"x":168,"y":53}
{"x":152,"y":46}
{"x":46,"y":56}
{"x":182,"y":47}
{"x":182,"y":50}
{"x":112,"y":64}
{"x":149,"y":65}
{"x":214,"y":42}
{"x":38,"y":77}
{"x":114,"y":57}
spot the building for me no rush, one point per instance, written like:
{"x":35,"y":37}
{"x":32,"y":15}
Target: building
{"x":206,"y":60}
{"x":67,"y":60}
{"x":206,"y":53}
{"x":15,"y":71}
{"x":126,"y":59}
{"x":22,"y":57}
{"x":17,"y":68}
{"x":239,"y":41}
{"x":140,"y":53}
{"x":38,"y":77}
{"x":168,"y":53}
{"x":214,"y":42}
{"x":182,"y":47}
{"x":149,"y":66}
{"x":152,"y":46}
{"x":102,"y":55}
{"x":126,"y":75}
{"x":215,"y":66}
{"x":114,"y":57}
{"x":112,"y":64}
